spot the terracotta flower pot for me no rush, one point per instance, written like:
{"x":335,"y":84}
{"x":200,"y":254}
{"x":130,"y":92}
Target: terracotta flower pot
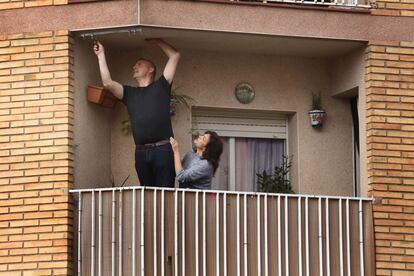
{"x":99,"y":95}
{"x":316,"y":117}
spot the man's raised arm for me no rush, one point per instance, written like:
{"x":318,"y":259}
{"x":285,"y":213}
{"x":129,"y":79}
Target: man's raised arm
{"x":173,"y":58}
{"x":116,"y":88}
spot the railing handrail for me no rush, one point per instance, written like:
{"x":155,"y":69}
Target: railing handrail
{"x":108,"y":189}
{"x":153,"y":223}
{"x":334,"y":3}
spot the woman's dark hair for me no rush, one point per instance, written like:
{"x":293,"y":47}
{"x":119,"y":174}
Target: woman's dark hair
{"x":213,"y":149}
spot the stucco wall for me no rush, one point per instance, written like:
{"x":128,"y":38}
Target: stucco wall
{"x":322,"y":159}
{"x":92,"y":124}
{"x":348,"y":79}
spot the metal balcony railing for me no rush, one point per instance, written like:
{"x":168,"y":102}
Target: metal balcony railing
{"x":148,"y":231}
{"x":337,"y":3}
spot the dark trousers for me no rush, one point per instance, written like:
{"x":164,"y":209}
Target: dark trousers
{"x":155,"y":166}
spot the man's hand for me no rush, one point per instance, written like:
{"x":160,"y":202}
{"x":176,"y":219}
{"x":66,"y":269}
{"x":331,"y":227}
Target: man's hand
{"x":173,"y":58}
{"x":174,"y":144}
{"x":98,"y":48}
{"x":114,"y":87}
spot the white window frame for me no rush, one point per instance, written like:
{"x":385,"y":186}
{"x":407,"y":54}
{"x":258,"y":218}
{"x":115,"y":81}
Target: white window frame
{"x":221,"y":118}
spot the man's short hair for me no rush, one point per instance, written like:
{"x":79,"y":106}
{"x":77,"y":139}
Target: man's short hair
{"x":152,"y":65}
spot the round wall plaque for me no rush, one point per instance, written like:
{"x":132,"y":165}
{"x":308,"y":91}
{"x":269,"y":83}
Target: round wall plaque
{"x":244,"y":93}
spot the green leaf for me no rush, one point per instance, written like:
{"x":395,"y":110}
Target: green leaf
{"x":277,"y":181}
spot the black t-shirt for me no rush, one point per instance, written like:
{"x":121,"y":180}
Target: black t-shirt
{"x":149,"y":111}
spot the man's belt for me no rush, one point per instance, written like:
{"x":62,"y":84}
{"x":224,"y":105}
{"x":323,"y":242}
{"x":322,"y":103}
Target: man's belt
{"x":152,"y":145}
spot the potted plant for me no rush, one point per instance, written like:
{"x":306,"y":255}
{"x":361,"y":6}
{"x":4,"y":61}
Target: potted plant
{"x":317,"y":114}
{"x":278,"y":181}
{"x":179,"y":99}
{"x":98,"y":95}
{"x":113,"y":184}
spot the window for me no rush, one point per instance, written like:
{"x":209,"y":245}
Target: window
{"x":253,"y":141}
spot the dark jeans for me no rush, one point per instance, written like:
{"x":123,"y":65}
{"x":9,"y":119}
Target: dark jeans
{"x":155,"y":166}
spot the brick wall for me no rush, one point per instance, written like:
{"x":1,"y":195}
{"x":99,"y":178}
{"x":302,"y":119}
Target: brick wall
{"x":390,"y":129}
{"x":13,"y":4}
{"x":36,"y":120}
{"x":394,"y":7}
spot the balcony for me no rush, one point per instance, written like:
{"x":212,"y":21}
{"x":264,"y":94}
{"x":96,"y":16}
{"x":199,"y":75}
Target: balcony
{"x":320,"y":3}
{"x":146,"y":231}
{"x":136,"y":231}
{"x":284,"y":72}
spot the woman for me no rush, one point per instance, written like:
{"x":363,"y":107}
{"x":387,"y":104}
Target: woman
{"x":198,"y":166}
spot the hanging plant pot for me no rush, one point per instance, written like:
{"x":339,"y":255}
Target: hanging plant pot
{"x":99,"y":95}
{"x":316,"y":117}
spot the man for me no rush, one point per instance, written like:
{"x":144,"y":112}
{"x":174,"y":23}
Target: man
{"x":148,"y":106}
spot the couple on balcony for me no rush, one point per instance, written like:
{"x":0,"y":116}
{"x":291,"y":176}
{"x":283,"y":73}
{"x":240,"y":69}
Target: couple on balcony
{"x":157,"y":156}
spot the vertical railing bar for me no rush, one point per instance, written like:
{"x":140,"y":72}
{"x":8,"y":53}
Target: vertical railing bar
{"x":142,"y":231}
{"x":224,"y":234}
{"x":100,"y":233}
{"x":133,"y":255}
{"x":245,"y":234}
{"x":183,"y":233}
{"x":93,"y":235}
{"x":176,"y":233}
{"x":320,"y":236}
{"x":217,"y":234}
{"x":259,"y":261}
{"x":113,"y":234}
{"x":348,"y":240}
{"x":328,"y":249}
{"x":265,"y":238}
{"x":287,"y":234}
{"x":341,"y":258}
{"x":361,"y":239}
{"x":307,"y":235}
{"x":162,"y":232}
{"x":300,"y":236}
{"x":80,"y":235}
{"x":204,"y":235}
{"x":196,"y":235}
{"x":238,"y":233}
{"x":120,"y":233}
{"x":155,"y":233}
{"x":279,"y":238}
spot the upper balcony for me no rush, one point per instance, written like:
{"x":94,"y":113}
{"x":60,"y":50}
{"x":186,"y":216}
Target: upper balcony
{"x":316,"y":3}
{"x":297,"y":18}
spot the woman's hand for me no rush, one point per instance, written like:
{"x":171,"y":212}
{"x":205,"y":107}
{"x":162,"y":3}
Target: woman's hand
{"x":174,"y":144}
{"x":177,"y":159}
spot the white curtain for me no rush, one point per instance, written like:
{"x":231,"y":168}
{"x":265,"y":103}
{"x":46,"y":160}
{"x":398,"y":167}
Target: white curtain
{"x":253,"y":156}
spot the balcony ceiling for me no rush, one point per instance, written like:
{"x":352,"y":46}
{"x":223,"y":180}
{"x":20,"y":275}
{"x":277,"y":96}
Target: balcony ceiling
{"x":229,"y":42}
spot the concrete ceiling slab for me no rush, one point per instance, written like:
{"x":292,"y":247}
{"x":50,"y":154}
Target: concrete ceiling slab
{"x":226,"y":42}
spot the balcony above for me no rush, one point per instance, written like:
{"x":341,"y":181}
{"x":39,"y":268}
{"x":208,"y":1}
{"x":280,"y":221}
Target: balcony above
{"x":327,"y":3}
